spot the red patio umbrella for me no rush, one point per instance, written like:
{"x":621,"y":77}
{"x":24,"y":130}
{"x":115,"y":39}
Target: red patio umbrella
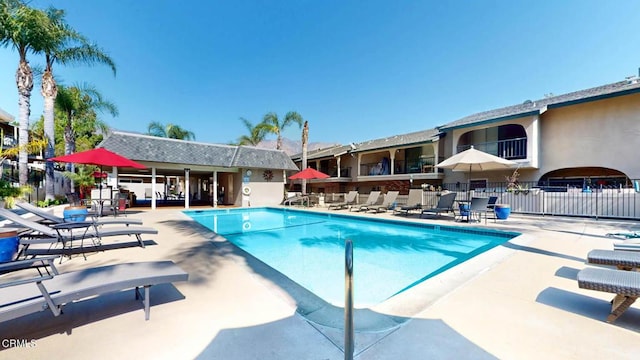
{"x":309,"y":173}
{"x":100,"y":157}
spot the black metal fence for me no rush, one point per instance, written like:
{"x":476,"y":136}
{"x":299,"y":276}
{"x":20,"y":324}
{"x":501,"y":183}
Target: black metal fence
{"x":621,"y":202}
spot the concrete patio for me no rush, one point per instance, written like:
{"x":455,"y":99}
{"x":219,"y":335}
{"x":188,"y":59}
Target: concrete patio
{"x":520,"y":300}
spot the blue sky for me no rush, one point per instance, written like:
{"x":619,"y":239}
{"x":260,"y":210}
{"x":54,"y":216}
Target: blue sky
{"x":356,"y":70}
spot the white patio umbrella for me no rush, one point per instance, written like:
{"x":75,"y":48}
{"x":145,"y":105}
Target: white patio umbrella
{"x":475,"y":160}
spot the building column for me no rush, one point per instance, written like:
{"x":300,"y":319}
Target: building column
{"x":187,"y":191}
{"x":392,"y":162}
{"x":154,"y":192}
{"x":338,"y":162}
{"x":215,"y":189}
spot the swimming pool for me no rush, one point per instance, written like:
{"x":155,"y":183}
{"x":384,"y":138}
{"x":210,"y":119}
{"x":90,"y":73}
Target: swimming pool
{"x":390,"y":256}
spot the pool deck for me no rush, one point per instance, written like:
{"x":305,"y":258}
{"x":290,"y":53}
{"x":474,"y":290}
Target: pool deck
{"x":520,"y":300}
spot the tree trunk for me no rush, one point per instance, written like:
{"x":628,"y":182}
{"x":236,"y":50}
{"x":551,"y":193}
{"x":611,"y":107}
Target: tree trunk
{"x":305,"y":140}
{"x":49,"y":92}
{"x":69,"y":148}
{"x":24,"y":82}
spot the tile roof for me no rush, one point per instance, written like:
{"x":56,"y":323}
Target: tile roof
{"x":418,"y":137}
{"x":620,"y":88}
{"x":322,"y":153}
{"x":140,"y":147}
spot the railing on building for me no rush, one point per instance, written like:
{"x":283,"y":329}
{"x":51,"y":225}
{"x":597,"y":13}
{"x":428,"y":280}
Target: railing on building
{"x":511,"y":149}
{"x":426,"y":164}
{"x":614,"y":202}
{"x":606,"y":202}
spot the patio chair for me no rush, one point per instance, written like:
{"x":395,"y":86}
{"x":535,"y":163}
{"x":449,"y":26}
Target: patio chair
{"x":477,"y":207}
{"x":445,"y":204}
{"x":625,"y":284}
{"x":53,"y":290}
{"x":349,"y":199}
{"x":65,"y":233}
{"x":372,"y":200}
{"x":622,"y":260}
{"x":53,"y":219}
{"x":491,"y":208}
{"x":414,"y":202}
{"x":387,"y":203}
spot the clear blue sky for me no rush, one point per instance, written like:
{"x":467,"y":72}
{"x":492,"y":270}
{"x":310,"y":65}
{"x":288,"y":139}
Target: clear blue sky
{"x":356,"y":70}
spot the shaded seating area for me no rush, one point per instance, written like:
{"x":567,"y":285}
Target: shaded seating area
{"x":349,"y":199}
{"x":50,"y":289}
{"x":414,"y":203}
{"x":445,"y":204}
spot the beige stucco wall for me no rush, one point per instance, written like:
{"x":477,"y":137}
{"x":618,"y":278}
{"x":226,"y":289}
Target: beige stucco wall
{"x":602,"y":133}
{"x":263,"y":192}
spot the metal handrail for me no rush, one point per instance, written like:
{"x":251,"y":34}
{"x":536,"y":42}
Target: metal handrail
{"x":348,"y":300}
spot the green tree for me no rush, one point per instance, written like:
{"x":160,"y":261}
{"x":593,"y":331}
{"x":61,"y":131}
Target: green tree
{"x":78,"y":107}
{"x":271,"y":124}
{"x":169,"y":131}
{"x":257,"y":133}
{"x":67,"y":47}
{"x":26,"y":30}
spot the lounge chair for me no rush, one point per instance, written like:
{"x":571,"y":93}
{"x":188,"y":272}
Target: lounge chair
{"x":372,"y":200}
{"x":622,"y":260}
{"x":53,"y":290}
{"x":478,"y":206}
{"x":625,"y":284}
{"x":387,"y":203}
{"x":349,"y":199}
{"x":414,"y":202}
{"x":51,"y":218}
{"x":445,"y":204}
{"x":628,"y":245}
{"x":67,"y":232}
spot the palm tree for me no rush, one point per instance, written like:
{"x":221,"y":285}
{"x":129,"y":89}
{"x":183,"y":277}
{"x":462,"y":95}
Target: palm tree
{"x":271,"y":124}
{"x":169,"y":131}
{"x":25,"y":29}
{"x":67,"y":47}
{"x":257,"y":133}
{"x":78,"y":105}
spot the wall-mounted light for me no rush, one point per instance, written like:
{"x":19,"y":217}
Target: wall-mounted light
{"x":248,"y":172}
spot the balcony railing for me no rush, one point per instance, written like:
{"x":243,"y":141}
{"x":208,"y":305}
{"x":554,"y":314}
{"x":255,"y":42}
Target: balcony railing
{"x":511,"y":149}
{"x":426,"y":164}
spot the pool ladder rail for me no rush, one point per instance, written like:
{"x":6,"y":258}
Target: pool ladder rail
{"x":348,"y":300}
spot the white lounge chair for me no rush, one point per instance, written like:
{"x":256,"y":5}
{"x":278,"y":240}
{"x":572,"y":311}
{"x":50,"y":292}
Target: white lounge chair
{"x":53,"y":290}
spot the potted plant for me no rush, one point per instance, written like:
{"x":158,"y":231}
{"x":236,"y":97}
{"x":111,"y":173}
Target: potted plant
{"x":84,"y":179}
{"x":8,"y":194}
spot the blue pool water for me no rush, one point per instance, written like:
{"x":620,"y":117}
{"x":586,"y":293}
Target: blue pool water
{"x":308,"y":247}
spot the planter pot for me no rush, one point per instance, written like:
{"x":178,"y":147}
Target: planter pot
{"x":8,"y":245}
{"x":75,"y":213}
{"x":502,"y":211}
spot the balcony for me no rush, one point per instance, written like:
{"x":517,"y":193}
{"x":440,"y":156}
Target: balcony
{"x":512,"y":149}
